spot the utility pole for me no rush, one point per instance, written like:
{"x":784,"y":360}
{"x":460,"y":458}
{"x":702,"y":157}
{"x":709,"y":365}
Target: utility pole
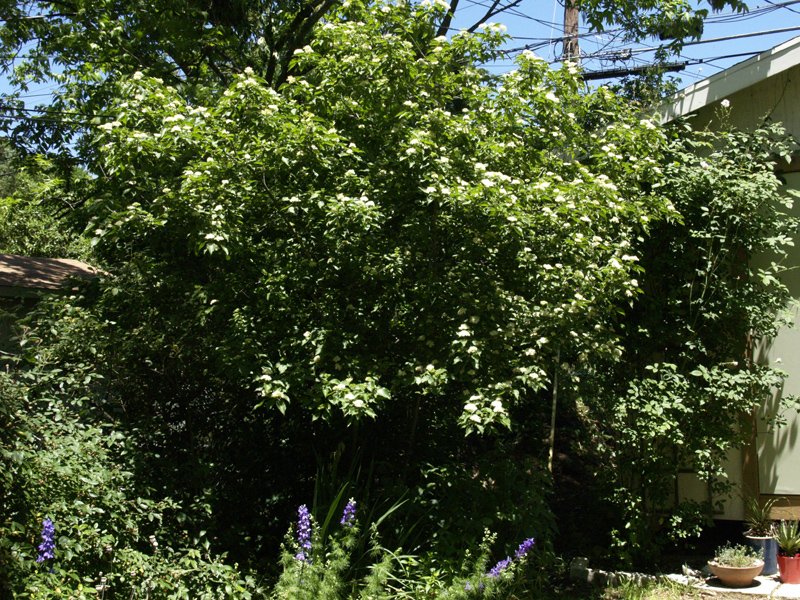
{"x":571,"y":19}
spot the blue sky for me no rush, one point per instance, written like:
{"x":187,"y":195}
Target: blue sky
{"x":537,"y":21}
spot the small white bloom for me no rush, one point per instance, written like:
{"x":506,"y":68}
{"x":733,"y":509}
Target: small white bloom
{"x":725,"y":103}
{"x":358,"y":403}
{"x":470,"y":407}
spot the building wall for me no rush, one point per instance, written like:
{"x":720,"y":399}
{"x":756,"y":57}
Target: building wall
{"x":777,"y":449}
{"x":775,"y":98}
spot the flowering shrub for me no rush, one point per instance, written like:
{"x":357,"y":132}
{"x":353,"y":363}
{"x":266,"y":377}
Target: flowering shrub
{"x":391,"y":574}
{"x":393,"y":248}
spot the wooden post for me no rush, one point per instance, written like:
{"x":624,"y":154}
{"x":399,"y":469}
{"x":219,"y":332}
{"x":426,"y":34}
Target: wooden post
{"x":571,"y":18}
{"x":553,"y":416}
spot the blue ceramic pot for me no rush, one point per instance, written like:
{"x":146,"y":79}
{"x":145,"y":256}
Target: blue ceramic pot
{"x":770,"y":548}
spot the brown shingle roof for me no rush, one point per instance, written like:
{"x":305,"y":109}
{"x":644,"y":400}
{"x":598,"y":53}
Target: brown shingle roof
{"x":28,"y":274}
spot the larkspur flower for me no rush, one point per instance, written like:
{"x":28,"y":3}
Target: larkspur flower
{"x":524,"y":548}
{"x":499,"y":568}
{"x":303,"y":534}
{"x":48,"y":541}
{"x":349,"y":516}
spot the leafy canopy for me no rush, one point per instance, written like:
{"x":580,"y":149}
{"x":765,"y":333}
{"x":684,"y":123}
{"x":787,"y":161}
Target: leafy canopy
{"x":357,"y":239}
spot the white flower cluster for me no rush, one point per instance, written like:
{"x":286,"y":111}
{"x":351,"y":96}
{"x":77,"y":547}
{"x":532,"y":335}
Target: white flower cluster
{"x":493,"y":27}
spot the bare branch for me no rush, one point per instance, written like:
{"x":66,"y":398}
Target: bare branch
{"x":494,"y":10}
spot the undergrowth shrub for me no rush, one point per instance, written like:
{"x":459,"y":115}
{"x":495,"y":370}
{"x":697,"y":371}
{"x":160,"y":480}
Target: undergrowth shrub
{"x":104,"y":535}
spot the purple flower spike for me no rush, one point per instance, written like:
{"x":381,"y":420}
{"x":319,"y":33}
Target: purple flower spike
{"x":524,"y":548}
{"x":349,"y":516}
{"x":48,"y":541}
{"x":303,"y":533}
{"x":499,"y":568}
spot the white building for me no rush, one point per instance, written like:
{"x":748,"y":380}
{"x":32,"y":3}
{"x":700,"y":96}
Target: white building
{"x":766,"y":86}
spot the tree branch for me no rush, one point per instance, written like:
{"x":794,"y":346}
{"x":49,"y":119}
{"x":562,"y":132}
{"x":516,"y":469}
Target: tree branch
{"x":493,"y":10}
{"x":445,"y":25}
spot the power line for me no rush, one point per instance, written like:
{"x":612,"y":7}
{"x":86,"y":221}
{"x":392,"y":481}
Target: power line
{"x":48,"y":111}
{"x":784,"y":6}
{"x":693,"y":43}
{"x":36,"y":17}
{"x":42,"y":120}
{"x":612,"y":73}
{"x":742,"y":35}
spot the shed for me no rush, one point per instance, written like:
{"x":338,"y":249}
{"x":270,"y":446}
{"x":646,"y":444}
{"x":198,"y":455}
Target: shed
{"x":24,"y":279}
{"x":28,"y":276}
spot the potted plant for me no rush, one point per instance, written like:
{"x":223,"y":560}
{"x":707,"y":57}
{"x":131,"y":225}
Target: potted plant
{"x":787,"y":535}
{"x":736,"y":566}
{"x":760,"y":525}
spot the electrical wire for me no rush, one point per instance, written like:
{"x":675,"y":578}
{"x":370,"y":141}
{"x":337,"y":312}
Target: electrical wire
{"x":786,"y":7}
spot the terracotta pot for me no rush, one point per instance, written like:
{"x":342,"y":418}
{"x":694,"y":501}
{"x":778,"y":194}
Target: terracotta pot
{"x":736,"y":577}
{"x":789,"y":566}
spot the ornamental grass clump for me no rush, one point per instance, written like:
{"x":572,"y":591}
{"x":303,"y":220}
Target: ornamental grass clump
{"x":758,"y":516}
